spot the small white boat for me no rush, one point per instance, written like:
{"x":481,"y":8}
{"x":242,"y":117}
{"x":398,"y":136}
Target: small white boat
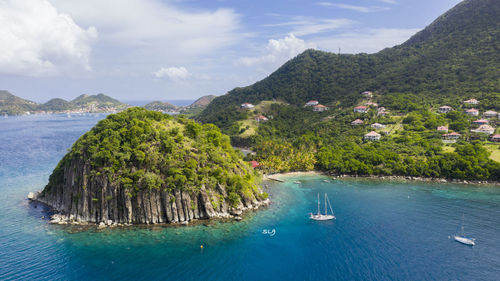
{"x":323,"y":217}
{"x":326,"y":181}
{"x":297,"y":182}
{"x":461,"y":238}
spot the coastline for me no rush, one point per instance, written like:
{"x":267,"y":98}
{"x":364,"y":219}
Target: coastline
{"x":381,"y":178}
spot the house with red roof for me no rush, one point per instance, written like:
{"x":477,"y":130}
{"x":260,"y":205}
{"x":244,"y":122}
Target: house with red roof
{"x":357,"y":122}
{"x":361,"y":109}
{"x":320,"y":108}
{"x":472,"y":112}
{"x":312,"y":103}
{"x":495,"y":138}
{"x":490,"y":113}
{"x":480,"y":122}
{"x":372,"y":136}
{"x":261,"y":118}
{"x":247,"y":105}
{"x":367,"y":94}
{"x":254,"y":164}
{"x":452,"y":136}
{"x":444,"y":109}
{"x":485,"y":129}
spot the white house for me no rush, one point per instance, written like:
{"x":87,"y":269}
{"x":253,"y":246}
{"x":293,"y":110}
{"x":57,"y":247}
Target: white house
{"x":485,"y":129}
{"x":371,"y":104}
{"x":361,"y":109}
{"x":471,"y":101}
{"x":372,"y":136}
{"x":378,"y":126}
{"x":247,"y":105}
{"x":312,"y":103}
{"x":444,"y":109}
{"x":490,"y":113}
{"x":472,"y":112}
{"x":367,"y":94}
{"x":319,"y":108}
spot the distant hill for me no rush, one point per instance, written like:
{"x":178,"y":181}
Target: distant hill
{"x":99,"y":99}
{"x":203,"y":101}
{"x":13,"y":105}
{"x":458,"y":55}
{"x":56,"y":104}
{"x":10,"y":104}
{"x":161,"y":106}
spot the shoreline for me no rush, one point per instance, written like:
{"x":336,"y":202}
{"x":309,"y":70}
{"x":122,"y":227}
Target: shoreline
{"x":380,"y":178}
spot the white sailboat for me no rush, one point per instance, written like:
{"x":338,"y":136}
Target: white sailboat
{"x":323,"y":217}
{"x":461,"y":238}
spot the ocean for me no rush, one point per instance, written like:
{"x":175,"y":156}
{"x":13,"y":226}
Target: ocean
{"x":383,"y":231}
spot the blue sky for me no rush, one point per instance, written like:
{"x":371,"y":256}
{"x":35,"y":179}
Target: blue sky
{"x":183,"y":49}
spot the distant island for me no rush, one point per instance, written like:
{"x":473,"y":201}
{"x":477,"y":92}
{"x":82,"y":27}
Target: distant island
{"x":100,"y":103}
{"x":140,"y":167}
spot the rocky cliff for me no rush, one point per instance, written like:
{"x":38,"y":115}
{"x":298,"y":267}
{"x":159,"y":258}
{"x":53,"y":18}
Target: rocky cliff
{"x":178,"y":177}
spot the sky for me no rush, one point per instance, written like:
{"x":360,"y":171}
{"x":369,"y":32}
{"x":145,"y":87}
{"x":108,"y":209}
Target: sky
{"x":183,"y":49}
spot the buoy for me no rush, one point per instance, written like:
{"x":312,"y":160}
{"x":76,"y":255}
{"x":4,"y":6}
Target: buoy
{"x":201,"y":246}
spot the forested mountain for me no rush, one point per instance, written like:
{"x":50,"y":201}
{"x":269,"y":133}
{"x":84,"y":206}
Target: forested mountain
{"x":10,"y":104}
{"x":457,"y":55}
{"x":399,"y":127}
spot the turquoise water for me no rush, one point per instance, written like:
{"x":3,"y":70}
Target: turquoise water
{"x":383,"y":231}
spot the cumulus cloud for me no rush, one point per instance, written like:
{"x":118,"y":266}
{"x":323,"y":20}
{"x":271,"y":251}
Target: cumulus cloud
{"x":156,"y":25}
{"x":37,"y":40}
{"x":173,"y":73}
{"x":279,"y":51}
{"x":366,"y":41}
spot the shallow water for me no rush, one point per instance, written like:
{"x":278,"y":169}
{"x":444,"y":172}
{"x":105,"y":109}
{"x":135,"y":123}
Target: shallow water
{"x":383,"y":231}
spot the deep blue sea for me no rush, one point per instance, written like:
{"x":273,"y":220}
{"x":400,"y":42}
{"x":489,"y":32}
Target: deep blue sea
{"x":384,"y":230}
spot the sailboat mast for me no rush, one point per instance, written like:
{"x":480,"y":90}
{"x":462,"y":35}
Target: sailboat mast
{"x":318,"y":203}
{"x":325,"y":206}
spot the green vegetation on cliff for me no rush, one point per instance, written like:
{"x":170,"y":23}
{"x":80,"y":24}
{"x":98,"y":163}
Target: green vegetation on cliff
{"x":145,"y":150}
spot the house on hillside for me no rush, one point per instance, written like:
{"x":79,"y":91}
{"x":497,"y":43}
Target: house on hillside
{"x":361,"y":109}
{"x":320,"y":108}
{"x":490,"y":113}
{"x":381,"y":111}
{"x":444,"y":109}
{"x":471,"y":101}
{"x":452,"y":136}
{"x":254,"y":164}
{"x":480,"y":122}
{"x":261,"y":118}
{"x":357,"y":122}
{"x":247,"y":105}
{"x":378,"y":126}
{"x":312,"y":103}
{"x":374,"y":104}
{"x":367,"y":94}
{"x":372,"y":136}
{"x":495,"y":138}
{"x":442,"y":129}
{"x":472,"y":112}
{"x":485,"y":129}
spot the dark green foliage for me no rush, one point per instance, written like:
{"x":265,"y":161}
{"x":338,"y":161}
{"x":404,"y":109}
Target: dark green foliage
{"x":142,"y":149}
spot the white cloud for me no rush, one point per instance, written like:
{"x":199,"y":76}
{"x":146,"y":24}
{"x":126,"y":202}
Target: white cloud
{"x":278,"y":51}
{"x":366,"y":41}
{"x":389,"y":1}
{"x":37,"y":40}
{"x":173,"y":73}
{"x":156,"y":25}
{"x":303,"y":26}
{"x":362,"y":9}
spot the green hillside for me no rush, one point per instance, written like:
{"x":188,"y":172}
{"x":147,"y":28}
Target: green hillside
{"x":455,"y":56}
{"x":454,"y":59}
{"x":10,"y":104}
